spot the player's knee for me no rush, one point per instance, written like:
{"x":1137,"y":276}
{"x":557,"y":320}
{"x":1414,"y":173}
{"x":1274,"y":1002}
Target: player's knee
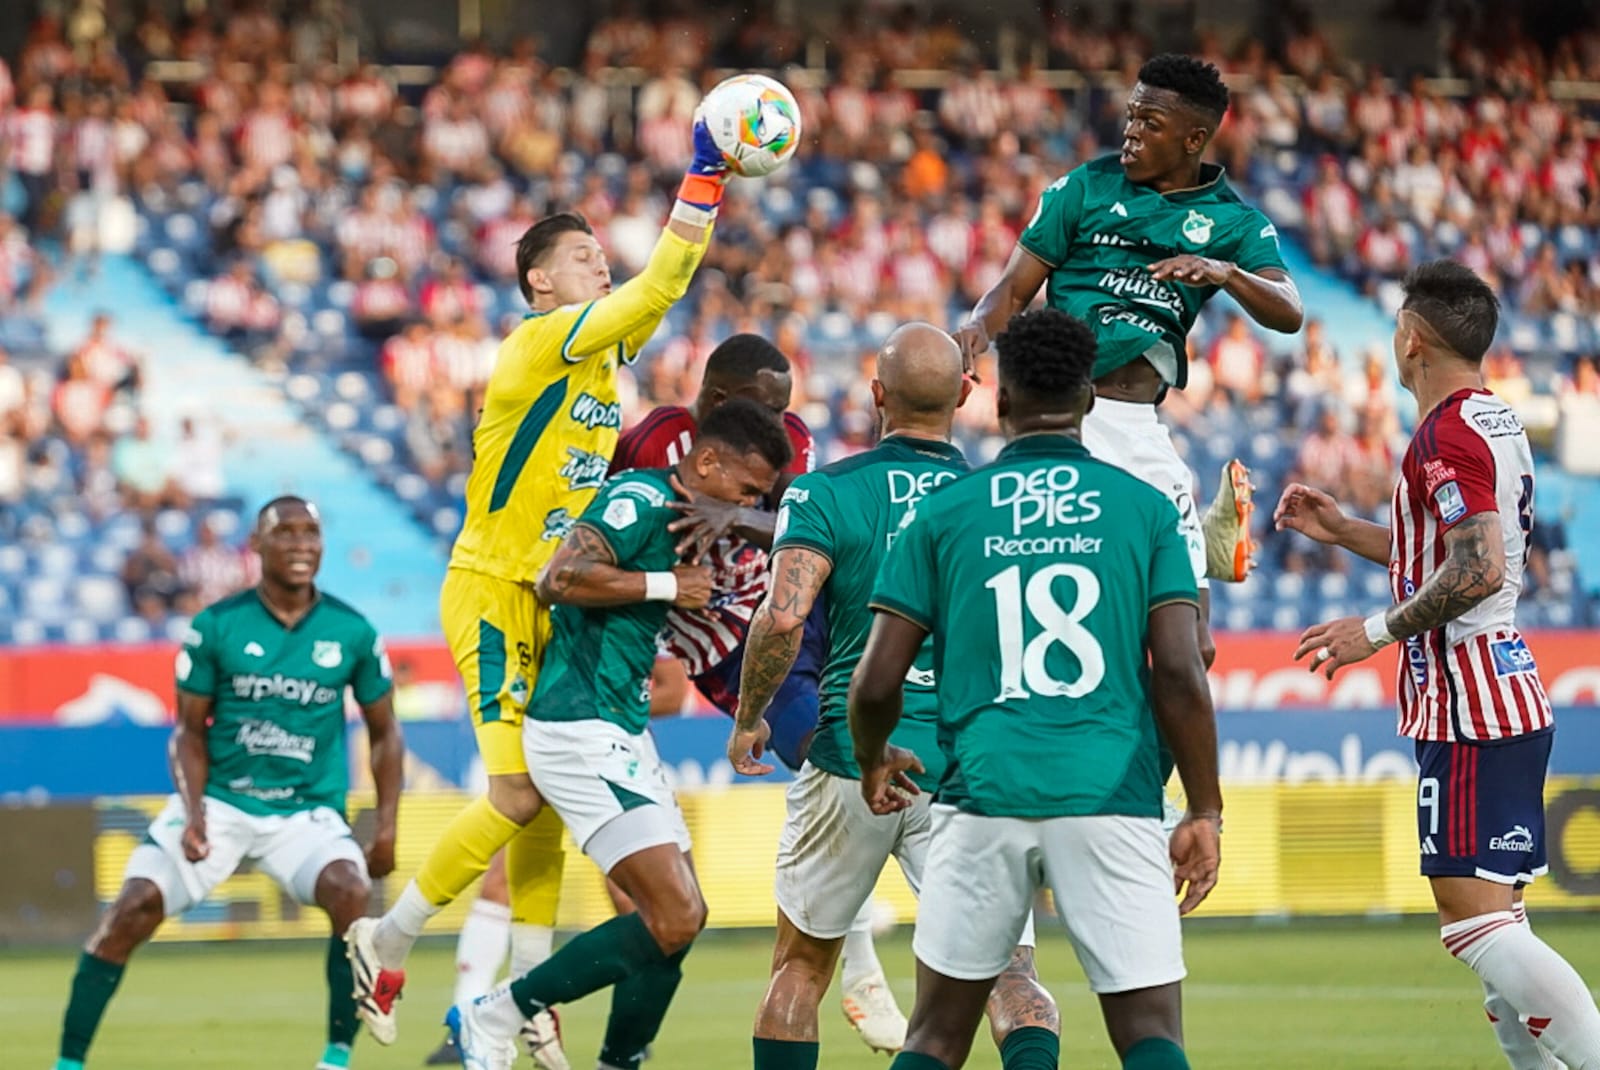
{"x":343,"y":891}
{"x":133,"y":918}
{"x":515,"y":797}
{"x":1208,"y":647}
{"x":676,"y":923}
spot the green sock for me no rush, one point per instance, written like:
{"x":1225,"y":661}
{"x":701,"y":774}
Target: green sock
{"x":911,"y":1060}
{"x":342,"y":1021}
{"x":590,"y":961}
{"x":335,"y":1055}
{"x":639,"y":1005}
{"x":785,"y":1054}
{"x":92,"y":988}
{"x":68,"y":1064}
{"x":1031,"y":1048}
{"x":1155,"y":1053}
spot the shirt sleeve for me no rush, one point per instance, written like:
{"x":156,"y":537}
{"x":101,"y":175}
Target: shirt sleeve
{"x":372,"y":678}
{"x":804,"y":446}
{"x":627,"y":514}
{"x":805,"y":517}
{"x":907,"y":579}
{"x":631,"y":312}
{"x":1171,"y":572}
{"x":1055,"y":222}
{"x":196,"y":668}
{"x":1457,"y":472}
{"x":1258,"y":245}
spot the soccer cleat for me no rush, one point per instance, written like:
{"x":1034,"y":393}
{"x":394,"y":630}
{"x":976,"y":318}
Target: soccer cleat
{"x":541,"y":1039}
{"x":376,"y":988}
{"x":872,"y":1012}
{"x":1230,"y":551}
{"x":446,"y":1054}
{"x":480,"y":1047}
{"x":335,"y":1057}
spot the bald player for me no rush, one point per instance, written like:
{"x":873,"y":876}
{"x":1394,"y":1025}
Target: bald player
{"x":832,"y":847}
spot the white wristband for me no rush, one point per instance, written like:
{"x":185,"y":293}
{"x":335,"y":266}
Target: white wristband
{"x":1378,"y":633}
{"x":660,"y":587}
{"x":695,"y":216}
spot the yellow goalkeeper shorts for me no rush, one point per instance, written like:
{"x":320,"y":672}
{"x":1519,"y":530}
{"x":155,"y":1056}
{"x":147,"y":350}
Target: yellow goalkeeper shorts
{"x":497,"y":631}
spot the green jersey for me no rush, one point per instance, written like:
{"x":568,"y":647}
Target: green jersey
{"x":850,"y":513}
{"x":1036,"y":576}
{"x":1098,"y":233}
{"x":276,"y":741}
{"x":598,"y":663}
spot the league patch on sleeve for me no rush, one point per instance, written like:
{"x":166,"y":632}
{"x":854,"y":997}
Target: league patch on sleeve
{"x":1452,"y":506}
{"x":781,"y":525}
{"x":623,"y":513}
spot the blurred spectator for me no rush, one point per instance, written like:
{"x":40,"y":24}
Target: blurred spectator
{"x":107,"y":362}
{"x":407,"y":363}
{"x":380,"y":302}
{"x":1504,"y":374}
{"x":1329,"y":455}
{"x":1238,"y":361}
{"x":13,"y":391}
{"x":30,"y":142}
{"x":197,"y":461}
{"x":1333,"y":213}
{"x":1383,"y":250}
{"x":150,"y":575}
{"x":211,"y":569}
{"x":143,"y":466}
{"x":79,"y":402}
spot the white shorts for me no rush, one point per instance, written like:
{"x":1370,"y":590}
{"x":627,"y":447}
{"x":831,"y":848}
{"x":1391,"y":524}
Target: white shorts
{"x":1112,"y":881}
{"x":1128,"y":435}
{"x":608,"y":786}
{"x":292,"y":849}
{"x":833,"y":848}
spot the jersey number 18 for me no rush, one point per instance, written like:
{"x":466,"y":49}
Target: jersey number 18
{"x":1023,"y":669}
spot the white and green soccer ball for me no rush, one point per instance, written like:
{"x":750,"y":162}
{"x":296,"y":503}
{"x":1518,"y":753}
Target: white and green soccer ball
{"x":754,"y":120}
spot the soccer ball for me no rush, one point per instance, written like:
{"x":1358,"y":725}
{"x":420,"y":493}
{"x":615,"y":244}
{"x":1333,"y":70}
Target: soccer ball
{"x":754,"y":120}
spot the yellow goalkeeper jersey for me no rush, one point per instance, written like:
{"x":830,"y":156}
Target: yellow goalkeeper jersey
{"x":550,"y":416}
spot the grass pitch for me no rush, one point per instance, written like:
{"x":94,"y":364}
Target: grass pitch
{"x":1346,"y":996}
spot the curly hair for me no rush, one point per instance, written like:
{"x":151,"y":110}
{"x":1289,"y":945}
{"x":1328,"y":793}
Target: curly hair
{"x":1046,"y":356}
{"x":1456,"y":303}
{"x":747,"y":427}
{"x":1197,"y":83}
{"x":741,"y":357}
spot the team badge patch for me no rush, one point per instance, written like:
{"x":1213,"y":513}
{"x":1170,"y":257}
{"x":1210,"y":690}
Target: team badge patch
{"x":327,"y":653}
{"x":1452,"y":506}
{"x":621,"y":513}
{"x":1511,"y":656}
{"x":1197,"y":228}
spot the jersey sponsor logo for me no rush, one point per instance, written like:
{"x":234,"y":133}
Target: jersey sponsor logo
{"x":303,"y":692}
{"x":185,"y":666}
{"x":519,"y":689}
{"x":192,"y":637}
{"x":1498,"y":423}
{"x":557,"y":525}
{"x":1197,"y":228}
{"x":264,"y":739}
{"x":584,"y":470}
{"x":253,"y":649}
{"x":1427,"y":846}
{"x":1517,"y":839}
{"x":1118,"y":209}
{"x":621,"y":513}
{"x":1269,"y":231}
{"x":591,"y":412}
{"x":1051,"y":545}
{"x":381,"y":652}
{"x":1114,"y":239}
{"x":909,"y":488}
{"x":1511,"y":656}
{"x":1435,"y":472}
{"x":645,"y":492}
{"x":916,"y":677}
{"x":781,"y":524}
{"x":326,"y":653}
{"x":796,"y":496}
{"x":1452,"y":506}
{"x":1138,"y":285}
{"x":1109,"y":316}
{"x":1044,"y":495}
{"x":1416,"y":657}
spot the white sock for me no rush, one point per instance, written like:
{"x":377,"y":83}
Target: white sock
{"x":499,"y":1011}
{"x":481,"y":948}
{"x":860,"y":954}
{"x":399,"y":928}
{"x":1540,"y":987}
{"x":530,"y":945}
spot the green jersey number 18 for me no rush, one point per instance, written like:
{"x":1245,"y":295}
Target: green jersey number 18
{"x":1023,"y":672}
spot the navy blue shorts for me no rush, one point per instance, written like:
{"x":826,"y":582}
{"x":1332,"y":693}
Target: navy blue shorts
{"x":1480,"y":808}
{"x":797,"y":705}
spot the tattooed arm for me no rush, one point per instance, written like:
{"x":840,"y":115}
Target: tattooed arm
{"x":584,"y":573}
{"x":1474,"y":569}
{"x":777,"y":628}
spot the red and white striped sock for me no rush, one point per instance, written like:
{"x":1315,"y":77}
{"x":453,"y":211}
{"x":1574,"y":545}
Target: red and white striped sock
{"x":1537,"y":987}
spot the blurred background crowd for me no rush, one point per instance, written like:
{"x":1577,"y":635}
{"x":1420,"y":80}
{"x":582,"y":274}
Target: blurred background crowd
{"x":348,"y":224}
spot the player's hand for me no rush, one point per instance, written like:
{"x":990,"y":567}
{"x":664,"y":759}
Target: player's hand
{"x":745,"y":748}
{"x":380,"y":854}
{"x":1336,"y":644}
{"x":1196,"y":850}
{"x":694,"y":586}
{"x":704,"y":523}
{"x":1193,"y":270}
{"x":887,"y":785}
{"x":708,"y":159}
{"x":973,"y":339}
{"x":195,"y":845}
{"x":1311,"y":512}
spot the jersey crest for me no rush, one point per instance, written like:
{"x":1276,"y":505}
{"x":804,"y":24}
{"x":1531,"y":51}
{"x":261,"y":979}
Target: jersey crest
{"x":1197,"y":228}
{"x":327,"y":653}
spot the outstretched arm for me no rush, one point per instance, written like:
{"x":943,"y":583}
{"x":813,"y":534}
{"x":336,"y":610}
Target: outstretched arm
{"x":1269,"y":295}
{"x":1023,"y":276}
{"x":1316,"y":515}
{"x":772,"y":645}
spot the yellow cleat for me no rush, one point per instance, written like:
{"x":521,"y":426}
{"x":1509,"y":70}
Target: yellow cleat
{"x":1230,"y":552}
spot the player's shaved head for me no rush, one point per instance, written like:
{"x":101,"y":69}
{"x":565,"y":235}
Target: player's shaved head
{"x":920,"y":369}
{"x":274,"y":512}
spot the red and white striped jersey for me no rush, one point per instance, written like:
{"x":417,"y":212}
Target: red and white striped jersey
{"x":701,"y":638}
{"x":1474,"y":678}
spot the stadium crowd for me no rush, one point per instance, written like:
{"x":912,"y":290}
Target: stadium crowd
{"x":399,"y":207}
